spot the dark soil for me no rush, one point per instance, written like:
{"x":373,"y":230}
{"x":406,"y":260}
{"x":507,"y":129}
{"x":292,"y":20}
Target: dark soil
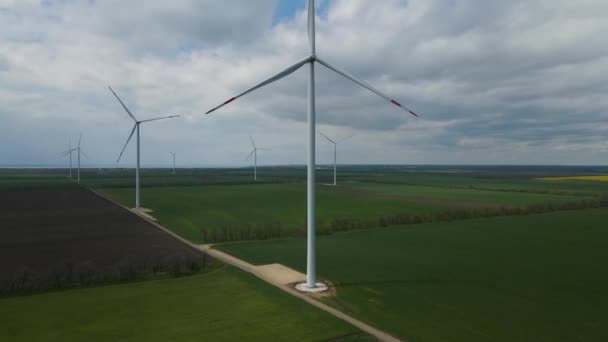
{"x":72,"y":233}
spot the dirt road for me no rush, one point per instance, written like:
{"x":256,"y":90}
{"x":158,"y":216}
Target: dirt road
{"x":274,"y":274}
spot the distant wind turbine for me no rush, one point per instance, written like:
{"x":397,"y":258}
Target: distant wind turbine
{"x":136,"y":128}
{"x":80,"y":152}
{"x":69,"y":152}
{"x":254,"y":152}
{"x":173,"y":154}
{"x":335,"y":150}
{"x":311,"y":284}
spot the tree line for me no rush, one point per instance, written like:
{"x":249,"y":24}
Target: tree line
{"x":265,"y":231}
{"x":71,"y":275}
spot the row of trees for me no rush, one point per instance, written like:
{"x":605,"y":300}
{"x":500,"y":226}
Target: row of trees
{"x":274,"y":230}
{"x":27,"y":281}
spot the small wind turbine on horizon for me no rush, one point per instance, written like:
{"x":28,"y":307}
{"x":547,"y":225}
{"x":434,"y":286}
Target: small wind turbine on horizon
{"x":311,"y":284}
{"x":173,"y":154}
{"x":136,"y":128}
{"x":69,"y":152}
{"x":335,"y":150}
{"x":254,"y":152}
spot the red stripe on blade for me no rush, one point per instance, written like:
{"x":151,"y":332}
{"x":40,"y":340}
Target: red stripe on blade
{"x":414,"y":114}
{"x":232,"y":99}
{"x":396,"y":103}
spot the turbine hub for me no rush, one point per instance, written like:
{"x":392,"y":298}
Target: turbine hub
{"x":313,"y":57}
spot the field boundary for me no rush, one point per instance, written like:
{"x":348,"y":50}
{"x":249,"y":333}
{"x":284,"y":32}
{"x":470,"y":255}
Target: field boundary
{"x":250,"y":268}
{"x":148,"y":220}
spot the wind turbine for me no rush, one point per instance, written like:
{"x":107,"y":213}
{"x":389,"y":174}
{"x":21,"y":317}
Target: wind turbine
{"x":335,"y":150}
{"x":136,"y":128}
{"x":311,"y":284}
{"x":254,"y":152}
{"x":79,"y":149}
{"x":69,"y":152}
{"x":173,"y":154}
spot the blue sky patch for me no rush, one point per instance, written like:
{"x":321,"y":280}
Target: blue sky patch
{"x":287,"y":9}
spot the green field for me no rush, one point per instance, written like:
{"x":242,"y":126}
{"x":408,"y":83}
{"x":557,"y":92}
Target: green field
{"x":517,"y":179}
{"x":469,"y":197}
{"x":32,"y":178}
{"x":223,"y":305}
{"x":511,"y":278}
{"x":600,"y":178}
{"x":527,"y":278}
{"x":187,"y":210}
{"x":499,"y":178}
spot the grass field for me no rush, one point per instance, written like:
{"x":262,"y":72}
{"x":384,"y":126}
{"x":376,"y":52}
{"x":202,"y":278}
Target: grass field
{"x":469,"y":197}
{"x":529,"y":278}
{"x":223,"y":305}
{"x":502,"y":178}
{"x":187,"y":210}
{"x":10,"y":178}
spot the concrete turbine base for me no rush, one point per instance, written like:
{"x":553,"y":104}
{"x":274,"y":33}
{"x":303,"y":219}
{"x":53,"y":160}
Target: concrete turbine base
{"x":319,"y":287}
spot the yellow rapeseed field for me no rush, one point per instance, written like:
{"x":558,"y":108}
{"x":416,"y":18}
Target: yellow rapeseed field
{"x":603,"y":178}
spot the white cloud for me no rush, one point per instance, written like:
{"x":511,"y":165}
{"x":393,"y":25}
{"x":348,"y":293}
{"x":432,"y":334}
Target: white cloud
{"x":491,"y":80}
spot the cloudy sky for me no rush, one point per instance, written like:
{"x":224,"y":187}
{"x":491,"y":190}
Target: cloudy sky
{"x":494,"y":82}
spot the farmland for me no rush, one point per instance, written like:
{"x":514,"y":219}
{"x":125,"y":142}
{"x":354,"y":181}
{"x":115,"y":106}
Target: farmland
{"x":529,"y":278}
{"x":602,"y":178}
{"x":280,"y":208}
{"x":121,"y":278}
{"x":222,"y":305}
{"x":454,"y":272}
{"x":55,"y":236}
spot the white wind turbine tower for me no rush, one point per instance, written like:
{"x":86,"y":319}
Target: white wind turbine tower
{"x":311,"y":284}
{"x":79,"y":149}
{"x":173,"y":154}
{"x":335,"y":150}
{"x":254,"y":152}
{"x":136,"y":127}
{"x":69,"y":152}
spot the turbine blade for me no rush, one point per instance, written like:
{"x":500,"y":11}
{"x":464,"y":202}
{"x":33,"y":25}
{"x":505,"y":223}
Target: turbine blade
{"x":252,"y":143}
{"x":311,"y":25}
{"x":250,"y":154}
{"x":69,"y":151}
{"x":84,"y":154}
{"x":364,"y":85}
{"x":123,"y":105}
{"x":127,"y":143}
{"x":348,"y":137}
{"x":161,"y":118}
{"x":274,"y":78}
{"x":326,"y":137}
